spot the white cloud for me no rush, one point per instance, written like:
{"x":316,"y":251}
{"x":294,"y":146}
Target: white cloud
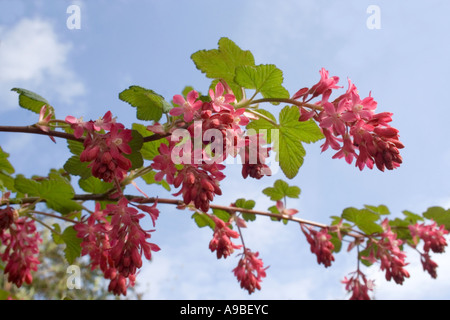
{"x":32,"y":56}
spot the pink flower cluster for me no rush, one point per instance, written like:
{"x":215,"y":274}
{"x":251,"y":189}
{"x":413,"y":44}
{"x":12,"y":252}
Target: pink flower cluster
{"x":350,"y":124}
{"x":250,"y":271}
{"x":7,"y":217}
{"x":253,"y":157}
{"x":434,"y":240}
{"x":104,"y":151}
{"x":221,"y":242}
{"x":21,"y":241}
{"x":117,"y":246}
{"x":359,"y":289}
{"x":201,"y":170}
{"x":320,"y":244}
{"x":387,"y":250}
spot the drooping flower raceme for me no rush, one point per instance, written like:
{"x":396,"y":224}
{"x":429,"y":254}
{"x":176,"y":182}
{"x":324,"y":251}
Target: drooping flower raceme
{"x":250,"y":271}
{"x":351,"y":126}
{"x":104,"y":151}
{"x":387,"y":250}
{"x":221,"y":242}
{"x":359,"y":286}
{"x":320,"y":244}
{"x":117,"y":246}
{"x":434,"y":240}
{"x":21,"y":241}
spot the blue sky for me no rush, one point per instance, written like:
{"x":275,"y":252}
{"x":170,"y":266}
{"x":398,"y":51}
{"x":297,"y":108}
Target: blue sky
{"x":148,"y":43}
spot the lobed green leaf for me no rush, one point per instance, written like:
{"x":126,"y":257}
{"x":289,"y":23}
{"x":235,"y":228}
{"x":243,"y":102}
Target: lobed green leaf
{"x":364,"y":219}
{"x":280,"y":190}
{"x":30,"y":100}
{"x":73,"y":244}
{"x":221,"y":63}
{"x":266,"y":79}
{"x":149,"y":104}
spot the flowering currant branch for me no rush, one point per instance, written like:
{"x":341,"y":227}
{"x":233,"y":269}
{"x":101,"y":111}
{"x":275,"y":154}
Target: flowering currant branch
{"x":189,"y":152}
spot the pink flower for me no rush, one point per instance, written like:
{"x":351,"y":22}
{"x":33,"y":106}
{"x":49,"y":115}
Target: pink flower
{"x":116,"y":246}
{"x":350,"y":120}
{"x":118,"y":139}
{"x":197,"y":186}
{"x":250,"y":271}
{"x":360,"y":290}
{"x":21,"y":250}
{"x":44,"y":120}
{"x":219,"y":100}
{"x":320,"y":244}
{"x":282,"y":210}
{"x":163,"y":162}
{"x":157,"y":128}
{"x":326,"y":83}
{"x":388,"y":252}
{"x":79,"y":126}
{"x":332,"y":115}
{"x":187,"y":107}
{"x":221,"y":242}
{"x":428,"y":265}
{"x":151,"y":210}
{"x":7,"y":217}
{"x":432,"y":236}
{"x":253,"y":157}
{"x":347,"y":151}
{"x":106,"y":153}
{"x":106,"y":123}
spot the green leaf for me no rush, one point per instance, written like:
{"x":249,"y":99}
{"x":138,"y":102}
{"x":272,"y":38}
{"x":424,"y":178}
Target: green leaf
{"x":30,"y":100}
{"x":95,"y":185}
{"x":6,"y":169}
{"x":289,"y":147}
{"x":77,"y":168}
{"x":26,"y":186}
{"x":203,"y":220}
{"x":57,"y":193}
{"x":306,"y":131}
{"x":136,"y":144}
{"x":221,"y":63}
{"x":400,"y":227}
{"x":439,"y":215}
{"x":73,"y":244}
{"x":366,"y":253}
{"x":412,"y":218}
{"x":221,"y":214}
{"x":262,"y":126}
{"x":5,"y":165}
{"x":149,"y":178}
{"x":75,"y":147}
{"x":246,"y":204}
{"x":266,"y":79}
{"x":149,"y":104}
{"x":149,"y":149}
{"x":381,"y":209}
{"x":280,"y":190}
{"x":5,"y":295}
{"x":364,"y":219}
{"x":57,"y":238}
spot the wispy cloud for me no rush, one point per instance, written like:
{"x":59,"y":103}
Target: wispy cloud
{"x":32,"y":56}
